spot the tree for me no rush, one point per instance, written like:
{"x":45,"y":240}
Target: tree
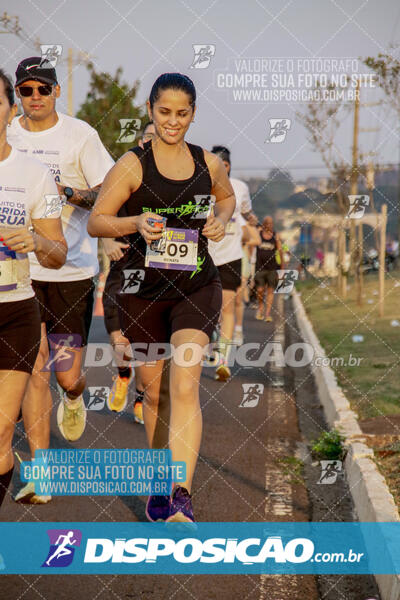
{"x":387,"y":70}
{"x":321,"y":120}
{"x":107,"y":101}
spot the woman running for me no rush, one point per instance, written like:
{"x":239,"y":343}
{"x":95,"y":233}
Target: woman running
{"x":171,"y":291}
{"x":26,"y":225}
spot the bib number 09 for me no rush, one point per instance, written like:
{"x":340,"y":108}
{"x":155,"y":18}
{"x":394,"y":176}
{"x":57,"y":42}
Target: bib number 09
{"x":180,"y":249}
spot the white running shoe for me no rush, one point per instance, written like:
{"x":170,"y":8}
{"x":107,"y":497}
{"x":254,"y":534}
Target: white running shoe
{"x":27,"y":495}
{"x":237,"y":338}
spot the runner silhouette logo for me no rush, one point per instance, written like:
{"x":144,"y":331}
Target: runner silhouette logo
{"x":97,"y":398}
{"x":252,"y":393}
{"x":287,"y":278}
{"x":50,"y":55}
{"x":54,"y":204}
{"x":62,"y":547}
{"x":203,"y":54}
{"x":330,"y":469}
{"x":278,"y":130}
{"x":204,"y":205}
{"x":62,"y":354}
{"x":129,"y":129}
{"x":357,"y":205}
{"x":132,"y":280}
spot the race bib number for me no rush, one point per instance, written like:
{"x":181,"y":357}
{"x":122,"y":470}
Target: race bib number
{"x":177,"y":249}
{"x":8,"y":270}
{"x":231,"y":227}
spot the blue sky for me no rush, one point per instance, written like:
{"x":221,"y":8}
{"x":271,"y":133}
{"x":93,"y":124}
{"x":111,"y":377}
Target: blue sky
{"x":148,"y":38}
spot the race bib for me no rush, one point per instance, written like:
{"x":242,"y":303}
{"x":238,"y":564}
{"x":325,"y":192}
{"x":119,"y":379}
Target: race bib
{"x":176,"y":249}
{"x":8,"y":270}
{"x":231,"y":227}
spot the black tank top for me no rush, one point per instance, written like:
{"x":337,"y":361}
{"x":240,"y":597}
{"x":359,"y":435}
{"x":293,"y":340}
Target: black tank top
{"x":265,"y":258}
{"x":175,"y":200}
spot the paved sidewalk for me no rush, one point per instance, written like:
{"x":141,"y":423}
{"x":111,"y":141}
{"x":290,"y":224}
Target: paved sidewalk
{"x":244,"y":473}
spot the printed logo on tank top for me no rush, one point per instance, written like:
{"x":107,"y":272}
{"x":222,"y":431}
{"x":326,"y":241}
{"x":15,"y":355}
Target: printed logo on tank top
{"x":267,"y":246}
{"x":199,"y":209}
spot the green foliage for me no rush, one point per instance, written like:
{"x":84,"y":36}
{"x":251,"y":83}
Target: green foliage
{"x":329,"y":446}
{"x":108,"y":100}
{"x":292,"y":467}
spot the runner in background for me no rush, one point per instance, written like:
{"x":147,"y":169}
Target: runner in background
{"x":116,"y":251}
{"x":227,"y":256}
{"x":24,"y":228}
{"x":243,"y":293}
{"x":79,"y":163}
{"x":177,"y":297}
{"x":266,"y":275}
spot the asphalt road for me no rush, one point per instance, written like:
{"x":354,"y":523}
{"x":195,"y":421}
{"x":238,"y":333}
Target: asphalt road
{"x":245,"y":473}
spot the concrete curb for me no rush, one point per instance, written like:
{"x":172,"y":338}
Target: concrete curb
{"x":371,"y":496}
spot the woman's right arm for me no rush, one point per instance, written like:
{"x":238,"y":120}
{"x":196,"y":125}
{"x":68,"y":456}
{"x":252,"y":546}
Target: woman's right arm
{"x":120,"y":182}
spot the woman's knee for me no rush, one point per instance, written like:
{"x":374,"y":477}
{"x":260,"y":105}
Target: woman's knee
{"x":186,"y":389}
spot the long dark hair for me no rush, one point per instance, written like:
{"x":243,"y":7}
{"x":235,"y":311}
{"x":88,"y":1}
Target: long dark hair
{"x":174,"y":81}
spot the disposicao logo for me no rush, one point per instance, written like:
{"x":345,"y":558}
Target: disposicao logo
{"x":62,"y":547}
{"x":191,"y":550}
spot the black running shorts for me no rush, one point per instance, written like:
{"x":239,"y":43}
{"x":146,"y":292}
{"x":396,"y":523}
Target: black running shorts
{"x":266,"y":278}
{"x":110,"y":305}
{"x":19,"y":335}
{"x":66,"y":307}
{"x":147,"y":321}
{"x":231,"y":275}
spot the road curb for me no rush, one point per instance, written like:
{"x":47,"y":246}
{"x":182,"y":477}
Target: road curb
{"x":371,"y":496}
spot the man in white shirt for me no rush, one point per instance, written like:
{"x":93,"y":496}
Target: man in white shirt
{"x":227,"y":256}
{"x":79,"y":162}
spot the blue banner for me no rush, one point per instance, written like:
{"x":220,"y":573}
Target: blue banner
{"x":89,"y":472}
{"x":214,"y":548}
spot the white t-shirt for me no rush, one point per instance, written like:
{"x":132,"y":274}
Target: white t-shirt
{"x":230,"y":248}
{"x":24,"y":185}
{"x":75,"y":155}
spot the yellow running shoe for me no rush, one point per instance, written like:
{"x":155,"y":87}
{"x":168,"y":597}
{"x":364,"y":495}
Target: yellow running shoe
{"x":71,"y":419}
{"x":222,"y":372}
{"x":118,"y":397}
{"x":138,"y":412}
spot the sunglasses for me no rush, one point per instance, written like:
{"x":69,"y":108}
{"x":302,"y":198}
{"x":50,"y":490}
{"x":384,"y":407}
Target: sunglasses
{"x":27,"y":90}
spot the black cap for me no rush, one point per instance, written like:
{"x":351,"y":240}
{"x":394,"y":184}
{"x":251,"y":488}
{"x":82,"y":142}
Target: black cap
{"x":37,"y":69}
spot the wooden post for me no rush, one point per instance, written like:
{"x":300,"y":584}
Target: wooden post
{"x":382,"y":255}
{"x":360,"y":289}
{"x":354,"y":181}
{"x":342,"y":255}
{"x":339,"y":259}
